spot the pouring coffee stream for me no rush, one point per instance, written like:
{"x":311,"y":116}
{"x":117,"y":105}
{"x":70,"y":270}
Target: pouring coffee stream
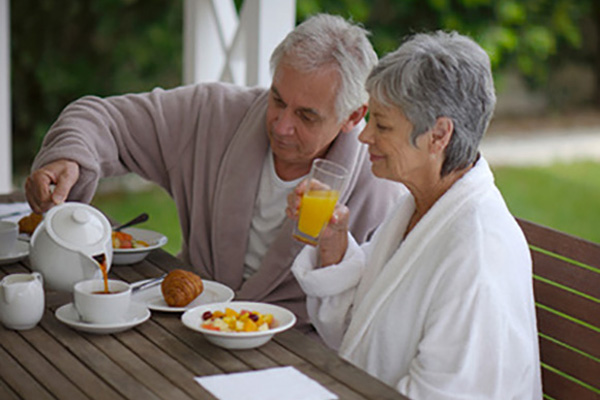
{"x":101,"y":260}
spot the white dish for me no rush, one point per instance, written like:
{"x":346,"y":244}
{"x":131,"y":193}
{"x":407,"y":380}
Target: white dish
{"x":19,"y":252}
{"x":136,"y":315}
{"x":284,"y":320}
{"x":214,"y":292}
{"x":132,"y":256}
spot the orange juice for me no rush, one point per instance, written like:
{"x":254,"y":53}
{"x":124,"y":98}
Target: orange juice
{"x":316,"y":210}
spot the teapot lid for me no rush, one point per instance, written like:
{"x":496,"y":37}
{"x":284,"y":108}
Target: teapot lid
{"x":78,"y":225}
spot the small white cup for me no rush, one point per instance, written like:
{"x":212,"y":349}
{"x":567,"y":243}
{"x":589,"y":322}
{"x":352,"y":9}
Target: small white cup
{"x":96,"y":307}
{"x":9,"y":231}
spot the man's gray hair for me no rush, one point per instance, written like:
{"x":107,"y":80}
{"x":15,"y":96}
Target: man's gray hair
{"x":326,"y":40}
{"x":439,"y":75}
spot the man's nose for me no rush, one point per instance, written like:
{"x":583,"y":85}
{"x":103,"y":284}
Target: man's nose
{"x":284,"y":123}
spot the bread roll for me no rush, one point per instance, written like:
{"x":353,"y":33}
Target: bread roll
{"x":28,"y":223}
{"x":180,"y":287}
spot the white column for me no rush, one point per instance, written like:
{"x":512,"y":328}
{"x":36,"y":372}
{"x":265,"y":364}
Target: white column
{"x":208,"y":28}
{"x":5,"y":116}
{"x":269,"y":22}
{"x":219,"y":46}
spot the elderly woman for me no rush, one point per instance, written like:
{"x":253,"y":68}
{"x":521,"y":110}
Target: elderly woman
{"x":439,"y":304}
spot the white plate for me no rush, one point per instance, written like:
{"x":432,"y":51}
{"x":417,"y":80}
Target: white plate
{"x":214,"y":292}
{"x":284,"y":320}
{"x":20,"y":251}
{"x":131,"y":256}
{"x":136,"y":315}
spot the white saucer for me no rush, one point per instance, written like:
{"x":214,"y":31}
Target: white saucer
{"x":20,"y":251}
{"x":214,"y":292}
{"x":136,"y":314}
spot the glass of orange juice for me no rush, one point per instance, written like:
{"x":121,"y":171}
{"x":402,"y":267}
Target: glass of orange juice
{"x":326,"y":182}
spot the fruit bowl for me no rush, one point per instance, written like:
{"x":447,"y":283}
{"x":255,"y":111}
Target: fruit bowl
{"x":154,"y":239}
{"x":283,"y":320}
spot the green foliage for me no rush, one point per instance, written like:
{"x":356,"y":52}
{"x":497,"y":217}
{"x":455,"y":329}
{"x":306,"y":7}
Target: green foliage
{"x":61,"y":51}
{"x":529,"y":34}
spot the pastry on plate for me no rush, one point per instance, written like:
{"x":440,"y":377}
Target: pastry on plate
{"x":181,"y":287}
{"x":28,"y":223}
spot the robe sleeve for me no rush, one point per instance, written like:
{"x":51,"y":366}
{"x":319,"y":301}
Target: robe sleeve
{"x":330,"y":290}
{"x":115,"y":135}
{"x":145,"y":133}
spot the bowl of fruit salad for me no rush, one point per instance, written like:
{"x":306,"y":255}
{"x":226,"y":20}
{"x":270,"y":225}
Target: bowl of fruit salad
{"x":132,"y":245}
{"x":238,"y":324}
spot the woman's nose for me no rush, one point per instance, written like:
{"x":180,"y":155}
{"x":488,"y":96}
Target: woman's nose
{"x":365,"y":136}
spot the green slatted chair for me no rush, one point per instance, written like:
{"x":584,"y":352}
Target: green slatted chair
{"x":567,"y":292}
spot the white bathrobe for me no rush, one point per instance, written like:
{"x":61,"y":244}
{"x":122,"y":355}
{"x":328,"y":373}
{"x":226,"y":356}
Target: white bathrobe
{"x":446,"y":313}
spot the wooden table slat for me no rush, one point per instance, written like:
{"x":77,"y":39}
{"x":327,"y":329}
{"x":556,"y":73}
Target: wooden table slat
{"x":19,"y":379}
{"x":91,"y":357}
{"x":45,"y":373}
{"x":65,"y":361}
{"x":340,"y":369}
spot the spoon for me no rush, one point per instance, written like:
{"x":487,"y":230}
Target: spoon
{"x":143,"y":217}
{"x":147,"y":284}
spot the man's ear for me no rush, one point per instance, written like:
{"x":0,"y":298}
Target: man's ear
{"x":441,"y":134}
{"x":355,"y":117}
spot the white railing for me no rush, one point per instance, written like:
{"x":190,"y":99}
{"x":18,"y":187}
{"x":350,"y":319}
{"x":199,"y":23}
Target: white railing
{"x":219,"y":45}
{"x":5,"y":118}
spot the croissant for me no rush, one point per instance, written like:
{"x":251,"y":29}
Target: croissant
{"x":180,"y":287}
{"x":28,"y":223}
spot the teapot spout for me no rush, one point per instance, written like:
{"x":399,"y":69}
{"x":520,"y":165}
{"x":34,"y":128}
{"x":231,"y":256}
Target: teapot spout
{"x":94,"y":265}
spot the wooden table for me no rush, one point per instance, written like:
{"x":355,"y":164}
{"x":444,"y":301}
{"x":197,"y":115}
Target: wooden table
{"x":155,"y":360}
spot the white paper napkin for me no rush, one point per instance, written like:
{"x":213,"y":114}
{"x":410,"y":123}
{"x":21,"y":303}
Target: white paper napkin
{"x":14,"y":211}
{"x":282,"y":383}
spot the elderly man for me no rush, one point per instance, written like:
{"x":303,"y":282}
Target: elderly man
{"x":229,"y":155}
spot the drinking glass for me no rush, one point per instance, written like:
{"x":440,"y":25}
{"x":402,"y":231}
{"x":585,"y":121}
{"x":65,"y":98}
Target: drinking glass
{"x":326,"y":181}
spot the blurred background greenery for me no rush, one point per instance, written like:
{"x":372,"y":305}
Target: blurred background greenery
{"x":61,"y":51}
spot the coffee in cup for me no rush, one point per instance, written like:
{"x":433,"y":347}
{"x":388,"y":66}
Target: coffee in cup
{"x":97,"y":306}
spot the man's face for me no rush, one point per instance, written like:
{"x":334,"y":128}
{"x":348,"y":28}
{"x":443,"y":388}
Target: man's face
{"x":301,"y":118}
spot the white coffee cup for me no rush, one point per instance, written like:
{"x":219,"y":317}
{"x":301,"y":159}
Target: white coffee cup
{"x":96,"y":307}
{"x":9,"y":231}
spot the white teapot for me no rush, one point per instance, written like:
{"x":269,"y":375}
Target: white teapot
{"x":21,"y":300}
{"x":66,"y":245}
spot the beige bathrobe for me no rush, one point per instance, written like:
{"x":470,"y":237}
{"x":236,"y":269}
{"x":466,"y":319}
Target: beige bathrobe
{"x":205,"y":144}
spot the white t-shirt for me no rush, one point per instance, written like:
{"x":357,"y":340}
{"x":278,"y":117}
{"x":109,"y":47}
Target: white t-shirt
{"x":268,"y":214}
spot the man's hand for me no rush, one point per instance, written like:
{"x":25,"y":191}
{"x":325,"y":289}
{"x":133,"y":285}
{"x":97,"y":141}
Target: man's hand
{"x":51,"y":184}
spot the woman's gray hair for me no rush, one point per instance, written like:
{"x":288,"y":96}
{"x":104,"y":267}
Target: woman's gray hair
{"x":327,"y":40}
{"x":439,"y":75}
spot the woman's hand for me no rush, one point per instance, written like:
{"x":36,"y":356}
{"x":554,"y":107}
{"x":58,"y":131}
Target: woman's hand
{"x":333,"y":240}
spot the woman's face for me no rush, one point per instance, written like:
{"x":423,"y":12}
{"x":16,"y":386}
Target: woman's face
{"x":392,"y":155}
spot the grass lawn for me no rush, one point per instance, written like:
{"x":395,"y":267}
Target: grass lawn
{"x":565,"y":197}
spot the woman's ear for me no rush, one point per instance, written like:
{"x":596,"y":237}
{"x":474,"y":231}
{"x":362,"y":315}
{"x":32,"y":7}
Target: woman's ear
{"x":355,"y":117}
{"x":441,"y":134}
